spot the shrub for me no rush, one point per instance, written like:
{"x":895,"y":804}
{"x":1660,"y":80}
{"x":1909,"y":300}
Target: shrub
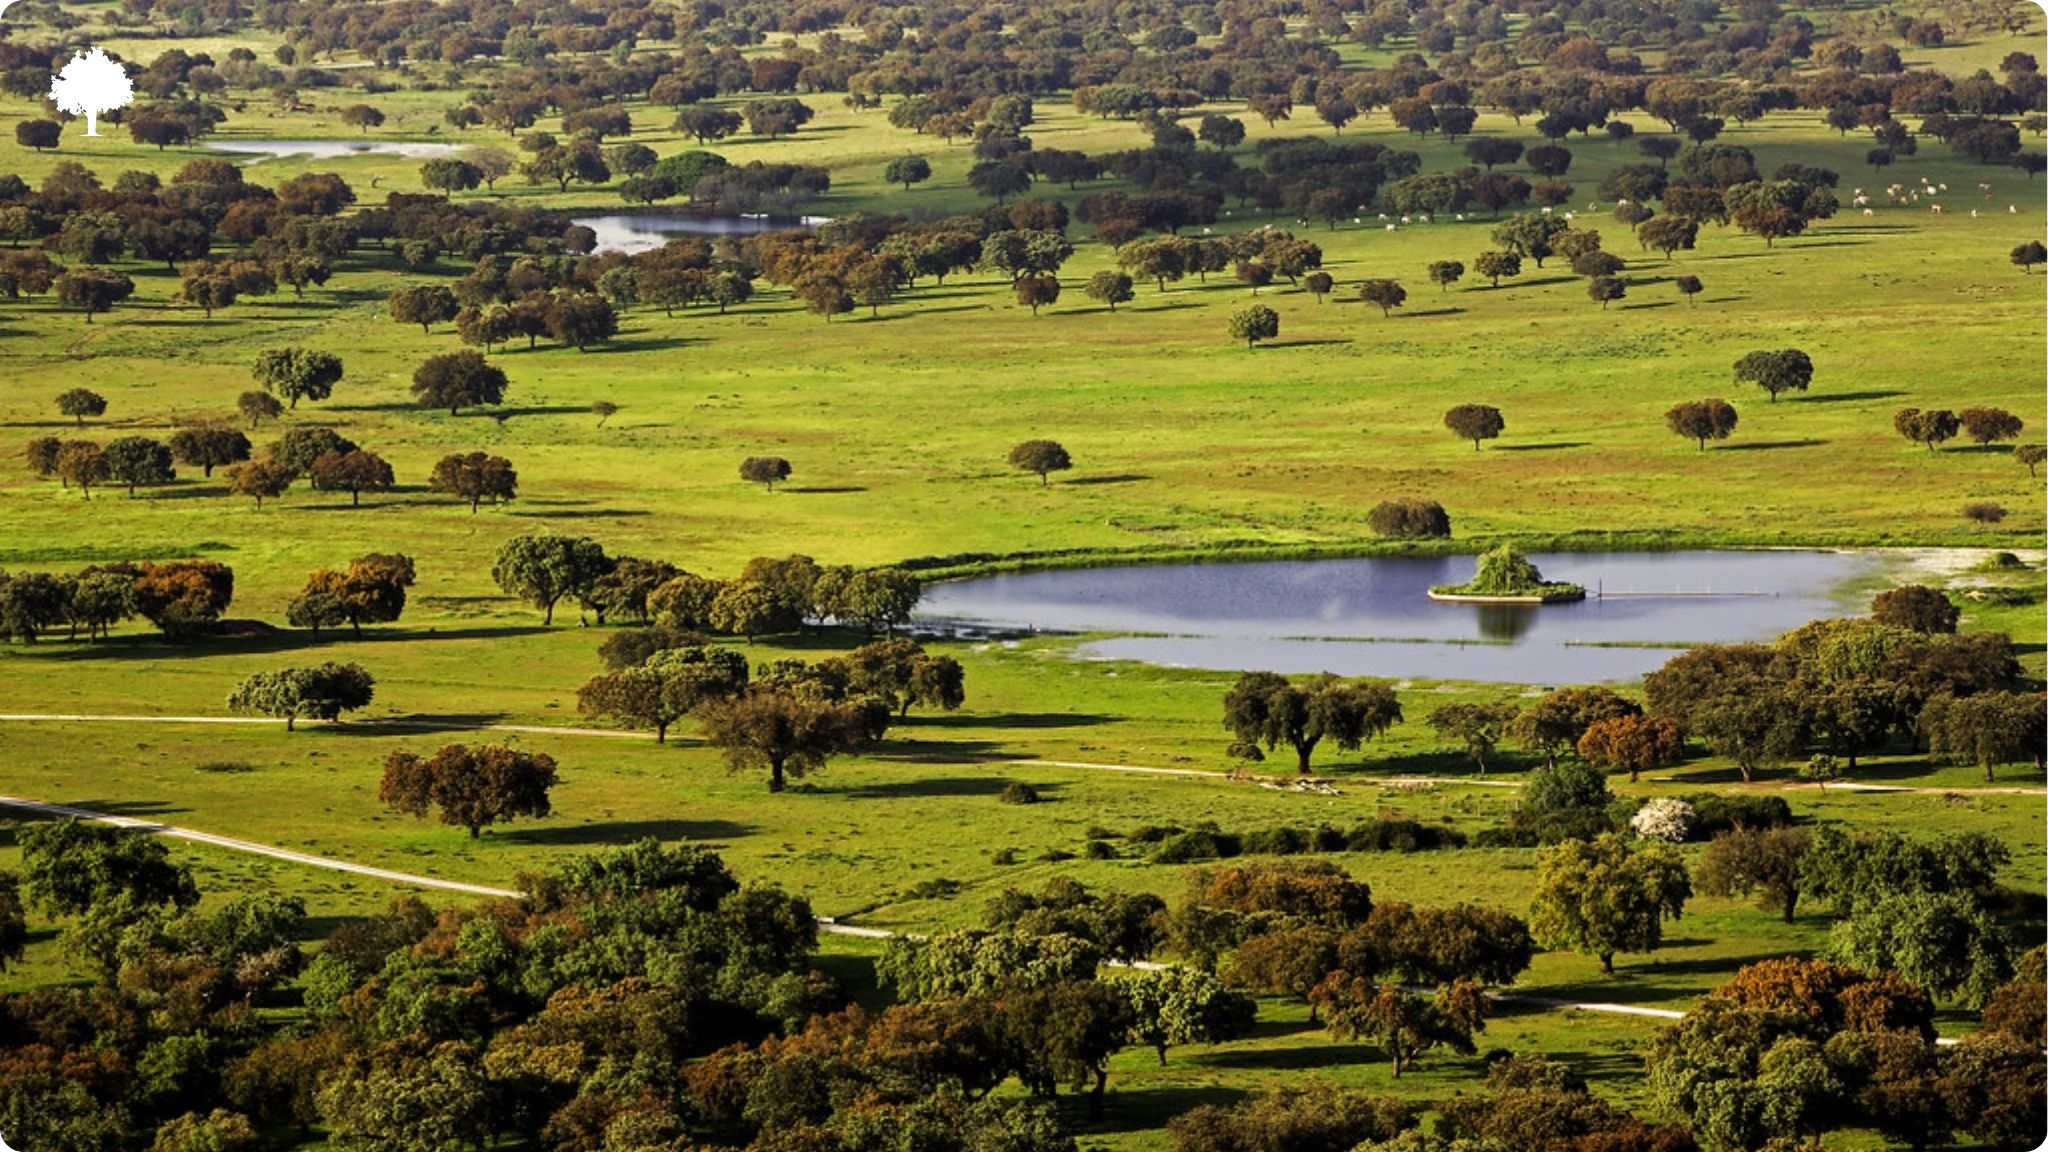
{"x":1282,"y":841}
{"x":1663,"y":818}
{"x":1019,"y":792}
{"x":1714,"y":814}
{"x":1401,"y":836}
{"x":1003,"y":856}
{"x":1099,"y":850}
{"x":1984,"y":512}
{"x":1407,"y":519}
{"x":1153,"y":833}
{"x":1198,"y":844}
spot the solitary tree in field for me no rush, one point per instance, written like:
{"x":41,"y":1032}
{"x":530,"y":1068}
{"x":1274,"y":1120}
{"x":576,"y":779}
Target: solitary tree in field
{"x":1781,"y":371}
{"x":789,"y":735}
{"x":423,"y":304}
{"x":1702,"y":420}
{"x":209,"y":446}
{"x":1035,"y":292}
{"x":1761,"y":861}
{"x":542,"y":568}
{"x":2032,"y":455}
{"x":362,"y":117}
{"x":2029,"y":254}
{"x":1318,"y":284}
{"x":603,"y":410}
{"x":260,"y":479}
{"x":664,"y":688}
{"x":1988,"y":426}
{"x":1110,"y":287}
{"x":1265,"y":709}
{"x":475,"y":477}
{"x":1930,"y":428}
{"x":1475,"y":422}
{"x":1254,"y":324}
{"x":1606,"y":289}
{"x":93,"y":290}
{"x":908,"y":170}
{"x":78,"y":403}
{"x":139,"y":460}
{"x":474,"y":787}
{"x":458,"y":380}
{"x":1444,"y":273}
{"x":82,"y":464}
{"x":91,"y":84}
{"x":1387,"y":294}
{"x":321,"y":693}
{"x":353,"y":472}
{"x":256,"y":407}
{"x":1041,"y":456}
{"x":1634,"y":744}
{"x":293,"y":374}
{"x":1689,"y":287}
{"x":1475,"y":727}
{"x":764,"y":470}
{"x":1494,"y":265}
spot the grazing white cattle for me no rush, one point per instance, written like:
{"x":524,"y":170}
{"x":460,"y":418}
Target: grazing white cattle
{"x":1569,"y":216}
{"x":1391,"y":227}
{"x":2014,"y":209}
{"x":1357,"y":220}
{"x":1936,"y":208}
{"x":1383,"y":215}
{"x":1868,"y":212}
{"x":1406,"y":220}
{"x":1546,"y":211}
{"x":1461,"y":217}
{"x":1973,"y":213}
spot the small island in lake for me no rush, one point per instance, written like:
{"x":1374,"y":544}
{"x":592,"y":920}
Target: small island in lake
{"x":1506,"y":576}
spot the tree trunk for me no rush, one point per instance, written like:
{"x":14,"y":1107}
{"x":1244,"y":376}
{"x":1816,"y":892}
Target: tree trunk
{"x":472,"y":831}
{"x":1302,"y":753}
{"x":547,"y":615}
{"x":775,"y":776}
{"x":661,"y":733}
{"x":1607,"y":962}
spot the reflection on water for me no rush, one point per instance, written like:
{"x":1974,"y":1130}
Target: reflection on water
{"x":1508,"y":622}
{"x":1372,"y":615}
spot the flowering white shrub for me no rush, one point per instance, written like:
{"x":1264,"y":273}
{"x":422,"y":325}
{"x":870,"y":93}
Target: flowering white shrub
{"x":1663,"y":819}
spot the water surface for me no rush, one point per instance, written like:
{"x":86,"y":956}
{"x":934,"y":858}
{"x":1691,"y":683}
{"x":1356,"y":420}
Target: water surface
{"x":642,"y":232}
{"x":1372,"y":616}
{"x":332,"y":149}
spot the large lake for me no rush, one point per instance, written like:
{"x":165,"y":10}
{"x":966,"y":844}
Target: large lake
{"x":1371,"y":616}
{"x":642,"y":232}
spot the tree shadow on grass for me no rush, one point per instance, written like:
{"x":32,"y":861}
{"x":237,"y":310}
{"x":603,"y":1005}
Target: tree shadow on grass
{"x":1011,"y":720}
{"x":936,"y":786}
{"x":1552,"y":446}
{"x":625,"y":832}
{"x":135,"y":809}
{"x":534,"y":410}
{"x":1322,"y":343}
{"x":415,"y":723}
{"x":1113,"y":478}
{"x":1845,"y":397}
{"x":656,"y":344}
{"x":1446,"y":311}
{"x":581,"y":514}
{"x":144,"y":646}
{"x":938,"y":751}
{"x":394,"y":406}
{"x":1294,"y":1058}
{"x":1646,"y":306}
{"x":1142,"y":1109}
{"x":1770,"y":445}
{"x":825,"y":489}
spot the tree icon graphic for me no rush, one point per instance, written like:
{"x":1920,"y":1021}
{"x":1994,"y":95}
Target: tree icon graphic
{"x":89,"y":85}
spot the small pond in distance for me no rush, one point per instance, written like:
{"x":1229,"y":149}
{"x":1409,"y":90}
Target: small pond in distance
{"x":331,"y":149}
{"x":644,"y":232}
{"x":1372,"y":615}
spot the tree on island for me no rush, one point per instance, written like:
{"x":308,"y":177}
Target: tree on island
{"x":1505,"y":571}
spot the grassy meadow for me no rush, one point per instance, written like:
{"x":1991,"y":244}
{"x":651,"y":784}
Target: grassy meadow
{"x":1186,"y":445}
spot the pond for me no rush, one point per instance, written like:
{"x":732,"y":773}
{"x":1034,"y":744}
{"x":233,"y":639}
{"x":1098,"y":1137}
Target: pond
{"x":332,"y":149}
{"x":1372,"y":616}
{"x":643,"y":232}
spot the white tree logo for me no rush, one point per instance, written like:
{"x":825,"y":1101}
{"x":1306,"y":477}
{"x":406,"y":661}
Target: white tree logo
{"x":89,"y":85}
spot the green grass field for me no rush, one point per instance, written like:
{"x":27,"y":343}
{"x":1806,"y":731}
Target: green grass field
{"x":1186,"y":444}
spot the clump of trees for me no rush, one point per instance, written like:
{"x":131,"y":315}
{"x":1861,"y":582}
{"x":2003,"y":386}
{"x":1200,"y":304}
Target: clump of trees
{"x":371,"y":590}
{"x":1409,"y":517}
